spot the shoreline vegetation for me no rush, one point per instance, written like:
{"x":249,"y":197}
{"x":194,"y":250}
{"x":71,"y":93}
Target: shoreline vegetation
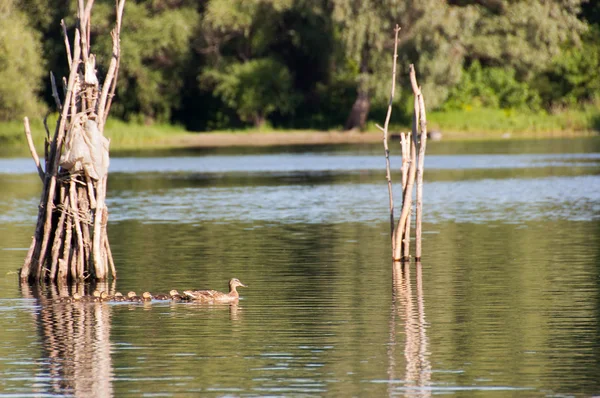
{"x":479,"y":124}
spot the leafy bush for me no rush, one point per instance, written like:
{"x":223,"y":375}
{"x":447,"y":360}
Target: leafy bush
{"x":255,"y":89}
{"x":491,"y":87}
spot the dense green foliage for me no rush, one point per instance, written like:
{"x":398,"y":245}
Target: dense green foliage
{"x":21,"y":65}
{"x":312,"y":63}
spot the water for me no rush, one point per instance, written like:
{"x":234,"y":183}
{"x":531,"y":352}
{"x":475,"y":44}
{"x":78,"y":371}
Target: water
{"x":506,"y":302}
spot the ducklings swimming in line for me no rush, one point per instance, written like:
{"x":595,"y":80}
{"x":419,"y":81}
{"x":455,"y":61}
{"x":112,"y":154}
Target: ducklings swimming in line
{"x":174,"y":295}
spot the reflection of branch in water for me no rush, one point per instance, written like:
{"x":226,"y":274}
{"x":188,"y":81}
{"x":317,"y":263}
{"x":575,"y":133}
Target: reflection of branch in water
{"x":76,"y":342}
{"x":418,"y":369}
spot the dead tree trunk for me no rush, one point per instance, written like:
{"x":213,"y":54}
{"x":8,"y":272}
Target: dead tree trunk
{"x":70,"y":241}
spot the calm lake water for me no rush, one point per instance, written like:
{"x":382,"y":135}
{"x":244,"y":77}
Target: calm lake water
{"x":505,"y":303}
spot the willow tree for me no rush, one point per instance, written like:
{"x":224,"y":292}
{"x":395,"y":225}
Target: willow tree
{"x":70,"y":240}
{"x":440,"y":36}
{"x":430,"y":38}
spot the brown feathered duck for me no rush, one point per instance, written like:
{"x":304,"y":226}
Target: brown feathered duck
{"x":216,"y":296}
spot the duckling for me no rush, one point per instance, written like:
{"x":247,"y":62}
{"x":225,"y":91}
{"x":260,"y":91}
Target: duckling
{"x":95,"y":297}
{"x":118,"y":297}
{"x":146,"y":296}
{"x":175,"y":295}
{"x":131,"y":296}
{"x":76,"y":297}
{"x":216,"y":296}
{"x":161,"y":296}
{"x":104,"y":296}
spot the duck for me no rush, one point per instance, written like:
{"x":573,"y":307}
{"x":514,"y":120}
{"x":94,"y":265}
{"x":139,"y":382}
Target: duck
{"x":146,"y":296}
{"x":76,"y":296}
{"x":104,"y":296}
{"x":216,"y":296}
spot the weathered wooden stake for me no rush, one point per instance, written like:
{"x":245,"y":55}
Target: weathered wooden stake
{"x":70,"y":239}
{"x":420,"y":169}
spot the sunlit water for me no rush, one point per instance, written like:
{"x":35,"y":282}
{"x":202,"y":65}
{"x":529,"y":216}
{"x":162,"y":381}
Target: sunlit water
{"x":506,"y":303}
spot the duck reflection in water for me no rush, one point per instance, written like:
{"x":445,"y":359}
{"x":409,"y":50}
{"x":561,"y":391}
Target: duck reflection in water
{"x":404,"y":312}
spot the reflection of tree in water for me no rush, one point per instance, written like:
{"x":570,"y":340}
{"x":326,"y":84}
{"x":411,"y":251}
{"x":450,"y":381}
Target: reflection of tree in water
{"x":417,"y":377}
{"x":75,"y":340}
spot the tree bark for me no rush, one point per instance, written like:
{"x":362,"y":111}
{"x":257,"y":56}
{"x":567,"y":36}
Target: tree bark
{"x":360,"y":110}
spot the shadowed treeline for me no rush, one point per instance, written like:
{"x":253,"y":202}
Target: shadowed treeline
{"x":223,"y":64}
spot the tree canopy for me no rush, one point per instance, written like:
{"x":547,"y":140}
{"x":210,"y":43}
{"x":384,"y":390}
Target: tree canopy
{"x":21,"y":64}
{"x":311,"y":63}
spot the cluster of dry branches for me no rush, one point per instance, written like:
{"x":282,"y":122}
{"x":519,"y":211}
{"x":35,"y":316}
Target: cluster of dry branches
{"x":413,"y":160}
{"x":70,"y":241}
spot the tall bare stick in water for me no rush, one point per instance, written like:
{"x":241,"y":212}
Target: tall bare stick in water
{"x":384,"y":129}
{"x":420,"y":169}
{"x":70,"y":240}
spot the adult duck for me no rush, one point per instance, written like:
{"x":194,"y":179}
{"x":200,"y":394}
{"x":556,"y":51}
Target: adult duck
{"x":216,"y":296}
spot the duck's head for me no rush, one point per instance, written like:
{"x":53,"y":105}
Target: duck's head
{"x":96,"y":293}
{"x":235,"y":282}
{"x":131,"y":294}
{"x":76,"y":296}
{"x":104,"y":295}
{"x":174,"y":293}
{"x":118,"y":294}
{"x":147,"y":296}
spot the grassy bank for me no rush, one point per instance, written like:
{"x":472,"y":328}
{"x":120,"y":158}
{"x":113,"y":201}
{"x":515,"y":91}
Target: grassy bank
{"x":491,"y":122}
{"x":123,"y":136}
{"x":463,"y":124}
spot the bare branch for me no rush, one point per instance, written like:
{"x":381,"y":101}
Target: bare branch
{"x":55,"y":92}
{"x":67,"y":45}
{"x":111,"y":76}
{"x":34,"y":154}
{"x":420,"y":170}
{"x":384,"y":129}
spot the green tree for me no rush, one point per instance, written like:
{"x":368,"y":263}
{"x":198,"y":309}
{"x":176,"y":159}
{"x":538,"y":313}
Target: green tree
{"x":156,"y":47}
{"x":241,"y":42}
{"x":21,"y":65}
{"x":255,"y":88}
{"x":574,"y":75}
{"x":523,"y":34}
{"x":439,"y":37}
{"x":429,"y":38}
